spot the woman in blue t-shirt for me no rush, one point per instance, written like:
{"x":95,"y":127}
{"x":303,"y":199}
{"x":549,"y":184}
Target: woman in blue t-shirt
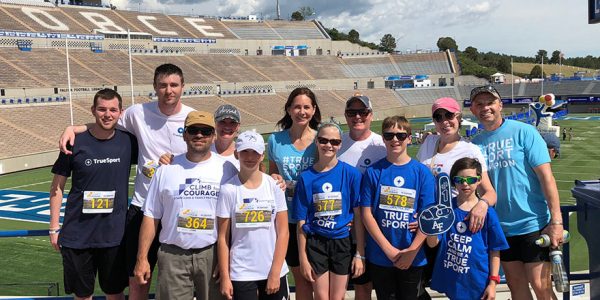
{"x":327,"y":200}
{"x":467,"y":263}
{"x":292,"y":151}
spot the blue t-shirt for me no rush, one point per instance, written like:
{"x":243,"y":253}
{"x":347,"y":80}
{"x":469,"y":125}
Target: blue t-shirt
{"x":100,"y":176}
{"x":395,"y":194}
{"x":325,"y":200}
{"x":511,"y":152}
{"x":290,"y":162}
{"x":461,"y":267}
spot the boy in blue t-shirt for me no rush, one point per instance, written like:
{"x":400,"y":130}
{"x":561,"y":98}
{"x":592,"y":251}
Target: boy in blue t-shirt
{"x":326,"y":202}
{"x":467,"y":263}
{"x":392,"y":191}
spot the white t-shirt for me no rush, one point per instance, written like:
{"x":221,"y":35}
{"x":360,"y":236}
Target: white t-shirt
{"x":362,"y":154}
{"x":157,"y":134}
{"x":183,"y":195}
{"x":253,"y":233}
{"x":443,"y":162}
{"x":230,"y":158}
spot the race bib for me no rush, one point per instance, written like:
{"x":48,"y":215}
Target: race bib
{"x":254,"y":214}
{"x":397,"y":199}
{"x":98,"y":202}
{"x":149,"y":168}
{"x":327,"y":204}
{"x":194,"y":221}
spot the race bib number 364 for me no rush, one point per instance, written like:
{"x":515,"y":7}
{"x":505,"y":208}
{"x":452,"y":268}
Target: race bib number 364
{"x":397,"y":199}
{"x":98,"y":202}
{"x":193,"y":221}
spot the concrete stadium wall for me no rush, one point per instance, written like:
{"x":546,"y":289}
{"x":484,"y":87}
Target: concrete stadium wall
{"x":26,"y":162}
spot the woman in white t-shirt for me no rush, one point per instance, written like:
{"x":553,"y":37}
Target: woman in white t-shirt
{"x":440,"y":151}
{"x":252,"y":228}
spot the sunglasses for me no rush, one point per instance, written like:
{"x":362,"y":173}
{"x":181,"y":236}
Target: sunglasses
{"x":205,"y":131}
{"x":350,"y":113}
{"x":484,"y":89}
{"x":445,"y":116}
{"x":401,"y":136}
{"x":467,"y":179}
{"x":333,"y":142}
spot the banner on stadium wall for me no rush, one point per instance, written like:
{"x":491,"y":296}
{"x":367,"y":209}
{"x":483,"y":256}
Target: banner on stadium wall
{"x":183,"y":40}
{"x":96,"y":37}
{"x":583,"y":99}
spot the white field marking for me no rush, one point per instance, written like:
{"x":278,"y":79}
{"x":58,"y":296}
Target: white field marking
{"x":31,"y":238}
{"x":27,"y":185}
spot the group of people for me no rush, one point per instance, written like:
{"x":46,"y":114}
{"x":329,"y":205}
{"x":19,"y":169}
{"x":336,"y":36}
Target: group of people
{"x":333,"y":207}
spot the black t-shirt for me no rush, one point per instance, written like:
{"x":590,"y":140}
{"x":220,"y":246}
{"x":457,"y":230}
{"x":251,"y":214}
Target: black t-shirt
{"x":100,"y":171}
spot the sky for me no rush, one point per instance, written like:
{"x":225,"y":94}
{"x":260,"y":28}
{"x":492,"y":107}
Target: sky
{"x":513,"y":27}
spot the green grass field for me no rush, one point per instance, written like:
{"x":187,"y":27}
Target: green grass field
{"x":31,"y":262}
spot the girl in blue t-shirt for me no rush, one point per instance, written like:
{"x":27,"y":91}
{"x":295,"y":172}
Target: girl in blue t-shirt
{"x":467,"y":263}
{"x":291,"y":151}
{"x":326,"y":202}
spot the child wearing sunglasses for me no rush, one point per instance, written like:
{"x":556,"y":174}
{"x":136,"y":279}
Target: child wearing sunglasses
{"x":467,"y":263}
{"x":392,"y":191}
{"x":326,"y":202}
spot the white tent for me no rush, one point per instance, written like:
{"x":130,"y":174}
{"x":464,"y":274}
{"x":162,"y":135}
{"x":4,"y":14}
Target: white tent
{"x":466,"y":124}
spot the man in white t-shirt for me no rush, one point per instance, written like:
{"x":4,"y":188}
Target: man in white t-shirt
{"x":361,"y":148}
{"x":158,"y":127}
{"x":183,"y":198}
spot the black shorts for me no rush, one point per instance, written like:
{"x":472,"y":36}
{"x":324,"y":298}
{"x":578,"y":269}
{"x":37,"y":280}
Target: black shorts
{"x":523,"y":248}
{"x":135,"y":215}
{"x":256,"y":290}
{"x":325,"y":254}
{"x":81,"y":265}
{"x":291,"y":257}
{"x":365,"y":277}
{"x":393,"y":283}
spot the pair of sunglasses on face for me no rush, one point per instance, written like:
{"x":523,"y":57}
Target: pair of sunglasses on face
{"x":205,"y":131}
{"x":440,"y":117}
{"x":325,"y":141}
{"x":351,"y":113}
{"x":401,"y":136}
{"x":466,"y":179}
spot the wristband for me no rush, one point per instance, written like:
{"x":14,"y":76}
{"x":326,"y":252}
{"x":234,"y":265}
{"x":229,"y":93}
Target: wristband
{"x":556,"y":223}
{"x":495,"y":278}
{"x":54,"y":231}
{"x":359,"y":256}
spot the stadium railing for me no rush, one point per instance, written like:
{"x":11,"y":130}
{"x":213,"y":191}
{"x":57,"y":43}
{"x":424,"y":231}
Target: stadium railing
{"x":565,"y":210}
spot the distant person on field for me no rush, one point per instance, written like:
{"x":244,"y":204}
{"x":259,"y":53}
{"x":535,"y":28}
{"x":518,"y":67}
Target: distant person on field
{"x":528,"y":202}
{"x":570,"y":133}
{"x":94,"y":222}
{"x":564,"y":134}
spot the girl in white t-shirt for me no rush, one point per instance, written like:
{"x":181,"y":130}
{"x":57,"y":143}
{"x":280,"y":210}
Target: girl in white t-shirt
{"x":252,"y":228}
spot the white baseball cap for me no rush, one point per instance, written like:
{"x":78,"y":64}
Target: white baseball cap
{"x":250,"y":140}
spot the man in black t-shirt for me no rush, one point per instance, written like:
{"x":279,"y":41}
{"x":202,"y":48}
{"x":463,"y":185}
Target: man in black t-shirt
{"x":94,"y":217}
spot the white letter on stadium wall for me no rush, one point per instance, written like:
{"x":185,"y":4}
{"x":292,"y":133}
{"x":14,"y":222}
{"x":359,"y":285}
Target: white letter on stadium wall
{"x":145,"y":19}
{"x":201,"y":28}
{"x":102,"y":22}
{"x":58,"y":25}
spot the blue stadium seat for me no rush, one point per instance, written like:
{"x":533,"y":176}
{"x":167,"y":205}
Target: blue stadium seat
{"x":12,"y":101}
{"x":64,"y":98}
{"x":49,"y":99}
{"x":206,"y":92}
{"x":19,"y":101}
{"x":41,"y":100}
{"x":3,"y":101}
{"x":27,"y":100}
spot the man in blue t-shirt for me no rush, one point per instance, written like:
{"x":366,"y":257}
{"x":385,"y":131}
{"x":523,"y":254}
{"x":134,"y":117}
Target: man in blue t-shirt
{"x":96,"y":208}
{"x":528,"y":202}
